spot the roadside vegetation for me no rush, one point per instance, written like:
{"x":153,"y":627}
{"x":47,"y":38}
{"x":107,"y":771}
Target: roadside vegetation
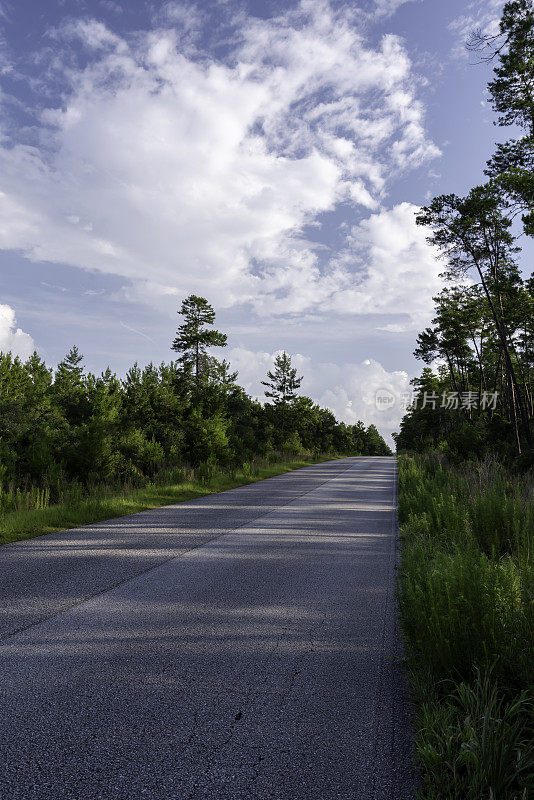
{"x":27,"y":514}
{"x":467,"y":611}
{"x":466,"y":466}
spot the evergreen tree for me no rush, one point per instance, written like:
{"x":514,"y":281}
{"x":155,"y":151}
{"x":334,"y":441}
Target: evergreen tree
{"x":484,"y":332}
{"x":376,"y":446}
{"x":194,"y":336}
{"x":512,"y":96}
{"x":512,"y":89}
{"x":283,"y":382}
{"x":281,"y":386}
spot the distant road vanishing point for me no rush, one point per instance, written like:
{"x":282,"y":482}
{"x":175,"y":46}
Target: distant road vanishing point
{"x":242,"y":645}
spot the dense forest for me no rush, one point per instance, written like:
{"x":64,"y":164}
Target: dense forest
{"x":66,"y":424}
{"x":479,"y":398}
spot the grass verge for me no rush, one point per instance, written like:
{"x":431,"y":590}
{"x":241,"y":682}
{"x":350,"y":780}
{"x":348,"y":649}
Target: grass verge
{"x":466,"y":595}
{"x":103,"y":502}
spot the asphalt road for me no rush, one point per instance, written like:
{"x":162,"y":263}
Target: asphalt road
{"x":243,"y":645}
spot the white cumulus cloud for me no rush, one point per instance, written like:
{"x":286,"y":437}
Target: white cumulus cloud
{"x":185,"y":173}
{"x":400,"y":270}
{"x":348,"y":390}
{"x":12,"y":339}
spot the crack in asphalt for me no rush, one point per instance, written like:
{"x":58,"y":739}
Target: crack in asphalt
{"x":237,"y":718}
{"x":247,"y":699}
{"x":285,"y":695}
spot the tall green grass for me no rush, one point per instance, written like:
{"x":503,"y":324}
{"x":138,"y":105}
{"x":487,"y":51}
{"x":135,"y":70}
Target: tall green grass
{"x":16,"y":499}
{"x":28,"y":513}
{"x":466,"y":596}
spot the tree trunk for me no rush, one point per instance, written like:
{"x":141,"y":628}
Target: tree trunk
{"x":516,"y":394}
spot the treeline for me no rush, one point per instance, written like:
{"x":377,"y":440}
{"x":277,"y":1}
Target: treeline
{"x":480,"y":398}
{"x":67,"y":424}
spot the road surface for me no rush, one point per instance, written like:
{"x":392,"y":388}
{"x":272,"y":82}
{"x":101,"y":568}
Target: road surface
{"x":242,"y":645}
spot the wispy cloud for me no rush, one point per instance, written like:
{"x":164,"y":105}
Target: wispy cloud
{"x":54,"y":286}
{"x":137,"y":331}
{"x":481,"y":15}
{"x":386,"y":8}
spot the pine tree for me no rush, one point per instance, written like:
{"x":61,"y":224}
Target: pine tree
{"x":69,"y":388}
{"x":283,"y":382}
{"x":474,"y":236}
{"x":512,"y":90}
{"x":512,"y":96}
{"x":194,"y":336}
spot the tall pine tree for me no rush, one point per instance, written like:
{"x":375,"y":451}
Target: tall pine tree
{"x":194,"y":336}
{"x":283,"y":382}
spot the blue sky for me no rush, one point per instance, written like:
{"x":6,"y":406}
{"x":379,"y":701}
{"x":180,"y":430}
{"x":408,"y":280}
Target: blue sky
{"x":268,"y":156}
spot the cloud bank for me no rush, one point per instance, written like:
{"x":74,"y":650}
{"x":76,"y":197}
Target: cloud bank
{"x":399,"y":270}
